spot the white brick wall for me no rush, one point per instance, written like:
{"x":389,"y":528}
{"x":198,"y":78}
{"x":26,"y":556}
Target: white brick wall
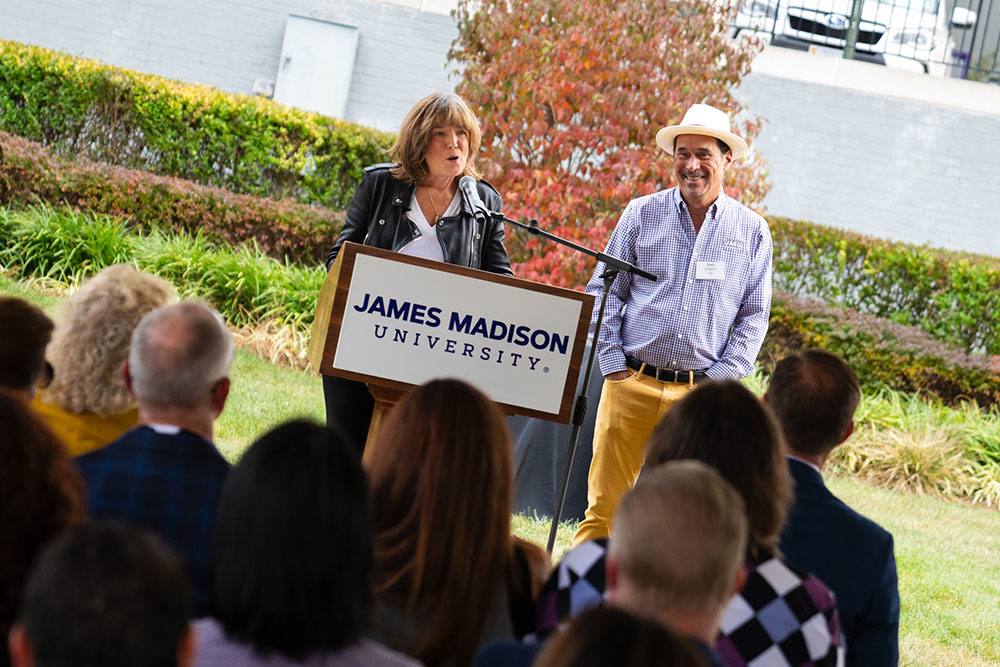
{"x":913,"y":165}
{"x":231,"y":43}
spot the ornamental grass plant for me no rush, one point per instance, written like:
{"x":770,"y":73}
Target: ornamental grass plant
{"x":921,"y":460}
{"x":915,"y":443}
{"x":259,"y":295}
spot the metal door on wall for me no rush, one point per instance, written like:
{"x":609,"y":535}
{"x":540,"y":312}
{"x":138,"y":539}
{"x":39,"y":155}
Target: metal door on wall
{"x":317,"y":62}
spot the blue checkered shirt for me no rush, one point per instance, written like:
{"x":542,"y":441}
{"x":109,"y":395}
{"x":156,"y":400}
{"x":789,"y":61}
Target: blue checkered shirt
{"x":167,"y":484}
{"x":680,"y":322}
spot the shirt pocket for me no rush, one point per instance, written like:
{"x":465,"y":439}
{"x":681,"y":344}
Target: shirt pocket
{"x":737,"y":277}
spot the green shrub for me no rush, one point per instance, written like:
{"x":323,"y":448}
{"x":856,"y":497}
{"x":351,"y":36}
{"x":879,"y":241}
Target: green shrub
{"x":883,"y":353}
{"x":246,"y":144}
{"x":29,"y":173}
{"x":954,"y":296}
{"x":247,"y":287}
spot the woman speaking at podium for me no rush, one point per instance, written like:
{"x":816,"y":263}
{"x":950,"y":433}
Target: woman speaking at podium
{"x":414,"y":206}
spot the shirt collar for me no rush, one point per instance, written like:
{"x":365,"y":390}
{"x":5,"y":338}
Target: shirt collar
{"x":165,"y":429}
{"x":812,"y":465}
{"x":714,"y":210}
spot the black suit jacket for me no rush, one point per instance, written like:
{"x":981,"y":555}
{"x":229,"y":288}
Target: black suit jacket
{"x":854,"y":557}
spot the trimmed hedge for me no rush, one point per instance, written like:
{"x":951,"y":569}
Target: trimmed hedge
{"x":246,"y":144}
{"x":29,"y":173}
{"x":954,"y":296}
{"x":883,"y":353}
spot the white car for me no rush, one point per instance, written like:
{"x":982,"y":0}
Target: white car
{"x":907,"y":34}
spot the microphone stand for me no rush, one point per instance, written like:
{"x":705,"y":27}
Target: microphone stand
{"x":613,"y":266}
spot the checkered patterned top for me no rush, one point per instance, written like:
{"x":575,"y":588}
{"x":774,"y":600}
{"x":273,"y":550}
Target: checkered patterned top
{"x":166,"y":483}
{"x":783,"y":617}
{"x":574,"y":586}
{"x":682,"y":322}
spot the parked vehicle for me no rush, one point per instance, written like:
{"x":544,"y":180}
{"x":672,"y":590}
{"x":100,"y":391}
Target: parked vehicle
{"x":907,"y":34}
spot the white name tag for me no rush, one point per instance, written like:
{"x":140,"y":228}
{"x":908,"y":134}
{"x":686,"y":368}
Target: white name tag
{"x":710,"y":271}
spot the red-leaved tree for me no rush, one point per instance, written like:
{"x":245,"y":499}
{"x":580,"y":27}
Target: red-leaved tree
{"x":571,"y":94}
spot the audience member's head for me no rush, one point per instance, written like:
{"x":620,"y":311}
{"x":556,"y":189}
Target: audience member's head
{"x":814,"y":394}
{"x":93,"y":329}
{"x":179,"y":360}
{"x":726,"y":426}
{"x":610,"y":637}
{"x":24,"y":332}
{"x":441,"y":479}
{"x":677,"y":550}
{"x":292,"y":555}
{"x":41,"y":494}
{"x":106,"y":595}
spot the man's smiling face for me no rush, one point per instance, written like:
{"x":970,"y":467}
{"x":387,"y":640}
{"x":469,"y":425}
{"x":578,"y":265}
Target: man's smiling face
{"x":699,"y":165}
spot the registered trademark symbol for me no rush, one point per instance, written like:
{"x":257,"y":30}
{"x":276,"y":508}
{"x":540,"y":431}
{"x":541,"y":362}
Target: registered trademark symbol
{"x":545,"y":370}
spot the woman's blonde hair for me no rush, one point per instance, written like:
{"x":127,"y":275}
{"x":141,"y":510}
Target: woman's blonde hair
{"x":435,"y":110}
{"x":92,"y":335}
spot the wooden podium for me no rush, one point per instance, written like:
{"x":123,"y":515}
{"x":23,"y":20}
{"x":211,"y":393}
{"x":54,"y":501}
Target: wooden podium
{"x":395,"y":322}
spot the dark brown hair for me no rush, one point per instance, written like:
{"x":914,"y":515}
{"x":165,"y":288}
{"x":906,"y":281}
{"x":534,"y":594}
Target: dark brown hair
{"x":435,"y":110}
{"x":42,"y":494}
{"x":26,"y":331}
{"x":610,"y":637}
{"x":726,"y":426}
{"x":813,"y":394}
{"x":441,"y":476}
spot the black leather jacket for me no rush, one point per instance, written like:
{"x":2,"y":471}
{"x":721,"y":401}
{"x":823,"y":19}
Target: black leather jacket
{"x":377,"y":217}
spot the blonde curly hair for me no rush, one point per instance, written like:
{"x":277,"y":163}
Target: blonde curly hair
{"x":92,"y":335}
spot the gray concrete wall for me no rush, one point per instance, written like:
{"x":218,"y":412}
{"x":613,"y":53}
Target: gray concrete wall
{"x":231,"y":43}
{"x":860,"y":147}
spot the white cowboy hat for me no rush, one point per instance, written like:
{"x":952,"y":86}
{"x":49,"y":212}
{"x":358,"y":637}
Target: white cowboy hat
{"x":706,"y":120}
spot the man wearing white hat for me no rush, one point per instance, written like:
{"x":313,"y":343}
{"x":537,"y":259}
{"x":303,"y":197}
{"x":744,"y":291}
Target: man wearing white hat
{"x":704,"y":318}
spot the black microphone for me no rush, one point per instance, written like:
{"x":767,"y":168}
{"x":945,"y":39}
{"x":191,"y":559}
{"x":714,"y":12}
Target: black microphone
{"x":467,"y":184}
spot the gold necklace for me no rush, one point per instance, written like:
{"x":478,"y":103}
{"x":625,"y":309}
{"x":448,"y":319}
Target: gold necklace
{"x":430,"y":195}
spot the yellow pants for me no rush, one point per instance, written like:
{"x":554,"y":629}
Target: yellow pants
{"x":626,"y":415}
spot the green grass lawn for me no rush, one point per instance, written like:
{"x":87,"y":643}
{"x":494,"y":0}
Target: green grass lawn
{"x":948,"y":553}
{"x":262,"y":396}
{"x":948,"y":556}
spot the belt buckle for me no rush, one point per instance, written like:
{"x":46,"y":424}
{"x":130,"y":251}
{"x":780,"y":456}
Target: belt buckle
{"x":663,"y":375}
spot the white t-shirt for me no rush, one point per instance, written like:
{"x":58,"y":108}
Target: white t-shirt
{"x":426,"y":245}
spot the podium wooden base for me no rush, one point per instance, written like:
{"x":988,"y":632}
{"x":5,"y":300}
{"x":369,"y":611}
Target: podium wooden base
{"x":385,"y":398}
{"x":378,"y":413}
